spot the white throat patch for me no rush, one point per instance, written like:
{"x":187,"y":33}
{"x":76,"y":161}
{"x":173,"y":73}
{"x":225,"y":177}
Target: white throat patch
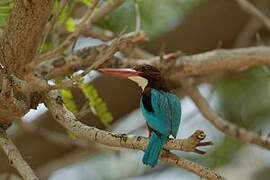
{"x":142,"y":82}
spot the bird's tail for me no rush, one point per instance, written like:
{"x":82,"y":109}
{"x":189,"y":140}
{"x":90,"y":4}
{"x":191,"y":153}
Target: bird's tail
{"x":153,"y":149}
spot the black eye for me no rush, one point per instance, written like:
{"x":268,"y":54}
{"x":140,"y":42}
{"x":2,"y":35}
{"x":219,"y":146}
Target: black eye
{"x":144,"y":68}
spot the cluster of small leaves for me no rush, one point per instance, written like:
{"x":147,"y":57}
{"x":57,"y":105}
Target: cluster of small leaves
{"x":5,"y":9}
{"x":68,"y":100}
{"x":95,"y":102}
{"x":66,"y":18}
{"x":98,"y":106}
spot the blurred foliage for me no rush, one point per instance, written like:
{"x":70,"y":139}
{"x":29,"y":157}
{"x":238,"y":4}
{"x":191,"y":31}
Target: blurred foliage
{"x":223,"y":153}
{"x":68,"y":100}
{"x":262,"y":174}
{"x":244,"y":98}
{"x":157,"y":16}
{"x":97,"y":105}
{"x":86,"y":2}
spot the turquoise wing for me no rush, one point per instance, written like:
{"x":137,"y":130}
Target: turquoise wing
{"x":167,"y":113}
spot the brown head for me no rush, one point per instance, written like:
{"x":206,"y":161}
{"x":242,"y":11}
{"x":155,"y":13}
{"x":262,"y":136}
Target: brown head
{"x":144,"y":75}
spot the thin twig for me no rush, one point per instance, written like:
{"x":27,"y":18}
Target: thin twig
{"x":68,"y":120}
{"x":87,"y":58}
{"x":253,"y":11}
{"x":224,"y":126}
{"x":89,"y":18}
{"x":190,"y":166}
{"x":86,"y":19}
{"x":138,"y":17}
{"x":15,"y":157}
{"x":105,"y":10}
{"x":251,"y":28}
{"x":50,"y":25}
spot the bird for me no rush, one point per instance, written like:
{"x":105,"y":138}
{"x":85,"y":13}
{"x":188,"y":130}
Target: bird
{"x":159,"y":106}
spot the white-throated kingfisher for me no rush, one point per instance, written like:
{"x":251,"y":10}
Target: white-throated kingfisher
{"x":160,"y":107}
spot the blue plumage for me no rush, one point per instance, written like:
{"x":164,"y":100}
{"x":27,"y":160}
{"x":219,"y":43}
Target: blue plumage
{"x":164,"y":120}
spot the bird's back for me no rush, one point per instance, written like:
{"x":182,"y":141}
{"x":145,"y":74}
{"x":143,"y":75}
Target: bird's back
{"x":166,"y":112}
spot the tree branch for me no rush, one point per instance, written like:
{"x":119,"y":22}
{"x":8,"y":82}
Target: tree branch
{"x":86,"y":57}
{"x":253,"y":11}
{"x":190,"y":166}
{"x":177,"y":66}
{"x":68,"y":120}
{"x":224,"y":126}
{"x":15,"y":158}
{"x":215,"y":61}
{"x":251,"y":28}
{"x":86,"y":19}
{"x":89,"y":18}
{"x":23,"y":33}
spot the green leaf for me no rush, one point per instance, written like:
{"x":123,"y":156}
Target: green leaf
{"x":5,"y":10}
{"x":68,"y":100}
{"x":64,"y":15}
{"x":86,"y":2}
{"x":96,"y":103}
{"x":70,"y":25}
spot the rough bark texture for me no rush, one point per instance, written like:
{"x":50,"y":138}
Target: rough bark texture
{"x":23,"y":33}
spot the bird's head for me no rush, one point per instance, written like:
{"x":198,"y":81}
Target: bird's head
{"x":144,"y":75}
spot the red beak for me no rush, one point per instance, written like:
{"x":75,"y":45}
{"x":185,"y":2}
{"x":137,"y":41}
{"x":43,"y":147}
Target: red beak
{"x":120,"y":73}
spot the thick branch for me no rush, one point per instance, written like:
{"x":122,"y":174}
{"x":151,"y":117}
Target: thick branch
{"x":68,"y":120}
{"x":215,"y":61}
{"x":22,"y":35}
{"x":226,"y":127}
{"x":15,"y":158}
